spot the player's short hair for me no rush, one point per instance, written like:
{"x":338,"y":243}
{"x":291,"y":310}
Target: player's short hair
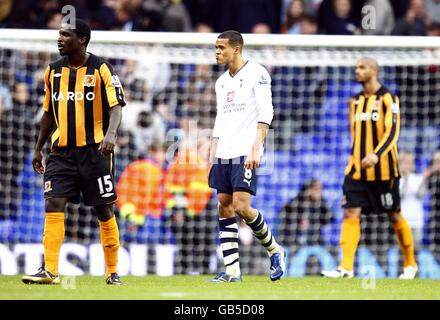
{"x":372,"y":62}
{"x":235,"y":38}
{"x":82,"y":29}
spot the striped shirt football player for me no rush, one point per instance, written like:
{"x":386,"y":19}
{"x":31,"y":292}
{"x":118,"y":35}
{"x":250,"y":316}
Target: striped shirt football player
{"x":371,"y":184}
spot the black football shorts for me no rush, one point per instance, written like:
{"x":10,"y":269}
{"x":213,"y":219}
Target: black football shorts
{"x":82,"y":170}
{"x":372,"y":196}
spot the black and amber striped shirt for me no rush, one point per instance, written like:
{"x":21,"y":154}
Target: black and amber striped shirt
{"x":375,"y":127}
{"x":80,"y":100}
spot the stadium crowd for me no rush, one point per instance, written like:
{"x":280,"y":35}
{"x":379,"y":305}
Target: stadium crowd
{"x":343,"y":17}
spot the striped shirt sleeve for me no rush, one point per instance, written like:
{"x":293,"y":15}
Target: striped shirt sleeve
{"x":392,"y":125}
{"x":113,"y":86}
{"x":351,"y":117}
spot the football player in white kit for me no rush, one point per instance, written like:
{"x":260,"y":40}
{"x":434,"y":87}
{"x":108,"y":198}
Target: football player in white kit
{"x":244,"y":114}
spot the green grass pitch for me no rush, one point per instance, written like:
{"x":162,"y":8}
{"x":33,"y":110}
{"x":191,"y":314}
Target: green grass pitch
{"x":198,"y":288}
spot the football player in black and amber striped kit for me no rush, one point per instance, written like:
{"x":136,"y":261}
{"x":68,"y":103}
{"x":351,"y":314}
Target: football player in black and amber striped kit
{"x":82,"y":111}
{"x":371,"y":182}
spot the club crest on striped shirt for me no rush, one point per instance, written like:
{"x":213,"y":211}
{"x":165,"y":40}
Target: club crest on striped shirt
{"x":376,"y":105}
{"x":89,"y":80}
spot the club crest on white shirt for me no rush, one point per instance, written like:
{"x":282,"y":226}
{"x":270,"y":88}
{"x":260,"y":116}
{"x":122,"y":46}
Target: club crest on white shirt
{"x":230,"y":96}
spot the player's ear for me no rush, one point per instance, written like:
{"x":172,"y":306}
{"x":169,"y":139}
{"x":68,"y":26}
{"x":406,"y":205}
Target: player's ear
{"x":82,"y":40}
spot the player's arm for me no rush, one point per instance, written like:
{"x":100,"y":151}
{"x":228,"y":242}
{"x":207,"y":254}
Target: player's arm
{"x":213,"y":150}
{"x":108,"y":143}
{"x":351,"y":116}
{"x":214,"y":143}
{"x":352,"y":111}
{"x":215,"y":136}
{"x":46,"y":125}
{"x":115,"y":97}
{"x":391,"y":135}
{"x":263,"y":97}
{"x":253,"y":159}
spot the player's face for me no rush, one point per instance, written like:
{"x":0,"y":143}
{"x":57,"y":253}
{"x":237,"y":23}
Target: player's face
{"x":68,"y":41}
{"x":224,"y":52}
{"x":363,"y":72}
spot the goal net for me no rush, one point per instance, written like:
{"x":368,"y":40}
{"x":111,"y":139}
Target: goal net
{"x":166,"y":213}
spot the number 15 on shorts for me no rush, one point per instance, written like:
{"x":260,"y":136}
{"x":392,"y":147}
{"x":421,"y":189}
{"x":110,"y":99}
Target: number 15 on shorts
{"x":105,"y":186}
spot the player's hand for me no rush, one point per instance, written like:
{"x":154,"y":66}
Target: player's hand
{"x":369,"y":161}
{"x":253,"y":159}
{"x":37,"y":161}
{"x":108,"y":144}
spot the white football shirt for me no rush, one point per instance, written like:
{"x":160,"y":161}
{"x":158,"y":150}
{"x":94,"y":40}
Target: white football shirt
{"x":243,"y":101}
